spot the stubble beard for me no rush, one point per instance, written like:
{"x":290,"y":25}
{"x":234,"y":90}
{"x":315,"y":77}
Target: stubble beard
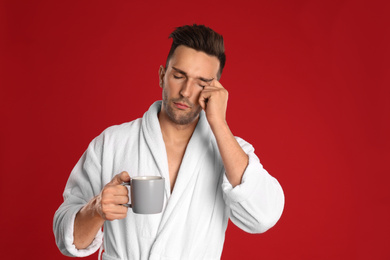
{"x":174,"y":116}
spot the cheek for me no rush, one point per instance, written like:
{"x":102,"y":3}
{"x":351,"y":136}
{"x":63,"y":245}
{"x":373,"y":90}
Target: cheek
{"x":173,"y":85}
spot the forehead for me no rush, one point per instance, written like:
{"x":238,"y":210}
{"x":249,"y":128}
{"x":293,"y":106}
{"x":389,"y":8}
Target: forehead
{"x":194,"y":63}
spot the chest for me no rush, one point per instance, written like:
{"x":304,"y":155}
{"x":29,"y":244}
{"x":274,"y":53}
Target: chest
{"x":175,"y":156}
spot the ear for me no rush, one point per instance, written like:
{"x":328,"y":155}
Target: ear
{"x":161,"y":74}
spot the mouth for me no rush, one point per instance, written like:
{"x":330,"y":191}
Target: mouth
{"x":181,"y":106}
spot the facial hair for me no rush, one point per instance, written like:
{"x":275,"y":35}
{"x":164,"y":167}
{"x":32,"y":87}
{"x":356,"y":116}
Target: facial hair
{"x":173,"y":114}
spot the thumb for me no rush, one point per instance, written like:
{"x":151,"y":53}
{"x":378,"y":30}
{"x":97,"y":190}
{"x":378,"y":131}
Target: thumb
{"x":120,"y":178}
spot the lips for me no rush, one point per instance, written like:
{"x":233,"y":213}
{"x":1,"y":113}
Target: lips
{"x":180,"y":105}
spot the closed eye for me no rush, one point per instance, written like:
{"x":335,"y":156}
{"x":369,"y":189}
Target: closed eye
{"x":177,"y":77}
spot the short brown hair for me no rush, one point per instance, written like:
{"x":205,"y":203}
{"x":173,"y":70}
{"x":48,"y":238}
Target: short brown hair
{"x":200,"y":38}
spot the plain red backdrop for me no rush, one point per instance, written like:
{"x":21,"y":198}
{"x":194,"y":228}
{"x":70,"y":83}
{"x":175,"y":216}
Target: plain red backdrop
{"x":308,"y":86}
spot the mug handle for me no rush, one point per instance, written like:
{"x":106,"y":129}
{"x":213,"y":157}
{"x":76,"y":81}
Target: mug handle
{"x":126,"y":184}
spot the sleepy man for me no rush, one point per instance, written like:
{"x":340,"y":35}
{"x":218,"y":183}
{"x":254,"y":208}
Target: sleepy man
{"x":210,"y":175}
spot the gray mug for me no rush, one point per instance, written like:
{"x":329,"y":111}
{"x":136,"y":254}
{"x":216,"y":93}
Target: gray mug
{"x":147,"y":194}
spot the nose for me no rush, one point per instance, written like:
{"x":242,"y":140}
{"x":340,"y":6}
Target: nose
{"x":186,"y":89}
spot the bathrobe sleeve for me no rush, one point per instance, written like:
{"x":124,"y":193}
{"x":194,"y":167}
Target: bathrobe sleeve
{"x":83,"y":184}
{"x":257,"y":203}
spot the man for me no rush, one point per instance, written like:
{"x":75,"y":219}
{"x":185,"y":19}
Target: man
{"x":210,"y":175}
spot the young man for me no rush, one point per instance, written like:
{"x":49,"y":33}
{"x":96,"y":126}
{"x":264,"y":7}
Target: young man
{"x":210,"y":175}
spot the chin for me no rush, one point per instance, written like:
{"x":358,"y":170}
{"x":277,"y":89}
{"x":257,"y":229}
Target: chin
{"x":189,"y":118}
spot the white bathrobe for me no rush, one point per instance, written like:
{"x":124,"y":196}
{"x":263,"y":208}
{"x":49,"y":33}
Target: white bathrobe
{"x":195,"y":216}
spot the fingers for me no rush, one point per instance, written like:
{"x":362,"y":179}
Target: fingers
{"x":213,"y":91}
{"x":113,"y":196}
{"x":111,"y":192}
{"x":112,"y":199}
{"x":203,"y":99}
{"x":213,"y":100}
{"x":215,"y":87}
{"x":112,"y":212}
{"x":214,"y":84}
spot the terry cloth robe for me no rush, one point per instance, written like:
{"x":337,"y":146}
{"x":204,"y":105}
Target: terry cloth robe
{"x":195,"y":216}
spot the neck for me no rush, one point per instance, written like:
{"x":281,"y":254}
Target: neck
{"x":175,"y":133}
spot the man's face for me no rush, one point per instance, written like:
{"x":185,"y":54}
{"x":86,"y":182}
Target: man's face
{"x":187,"y":72}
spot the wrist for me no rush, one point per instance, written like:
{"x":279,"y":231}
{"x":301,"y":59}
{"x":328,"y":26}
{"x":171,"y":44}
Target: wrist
{"x":93,"y":209}
{"x":218,"y":123}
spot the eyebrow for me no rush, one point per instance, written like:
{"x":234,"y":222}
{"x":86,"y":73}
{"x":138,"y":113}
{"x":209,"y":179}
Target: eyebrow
{"x":185,"y":74}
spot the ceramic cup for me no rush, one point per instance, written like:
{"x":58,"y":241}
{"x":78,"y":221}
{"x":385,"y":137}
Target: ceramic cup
{"x":147,"y":194}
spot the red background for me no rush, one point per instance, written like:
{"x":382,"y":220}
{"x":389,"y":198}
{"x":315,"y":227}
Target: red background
{"x":309,"y":88}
